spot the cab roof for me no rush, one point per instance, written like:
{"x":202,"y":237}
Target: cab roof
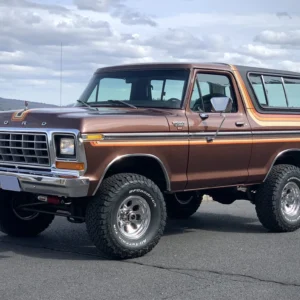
{"x":165,"y":65}
{"x":190,"y":65}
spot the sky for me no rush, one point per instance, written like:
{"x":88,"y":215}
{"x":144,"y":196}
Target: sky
{"x":97,"y":33}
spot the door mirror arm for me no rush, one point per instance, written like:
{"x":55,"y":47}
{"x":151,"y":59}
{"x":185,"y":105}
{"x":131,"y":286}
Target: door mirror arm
{"x":209,"y":138}
{"x":222,"y":105}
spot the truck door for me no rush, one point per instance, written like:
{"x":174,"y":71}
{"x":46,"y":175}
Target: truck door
{"x":224,"y":160}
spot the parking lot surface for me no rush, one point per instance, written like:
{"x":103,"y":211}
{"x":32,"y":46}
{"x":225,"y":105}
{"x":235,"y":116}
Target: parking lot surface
{"x":222,"y":252}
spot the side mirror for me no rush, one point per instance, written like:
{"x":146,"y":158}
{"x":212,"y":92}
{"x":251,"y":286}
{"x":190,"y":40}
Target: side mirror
{"x":221,"y":104}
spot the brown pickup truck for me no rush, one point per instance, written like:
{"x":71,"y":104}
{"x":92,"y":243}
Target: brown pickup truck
{"x":147,"y":141}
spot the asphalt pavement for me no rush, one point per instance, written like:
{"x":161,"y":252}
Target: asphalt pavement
{"x":222,"y":252}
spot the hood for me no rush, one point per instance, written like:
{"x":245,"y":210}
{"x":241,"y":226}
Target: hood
{"x":87,"y":120}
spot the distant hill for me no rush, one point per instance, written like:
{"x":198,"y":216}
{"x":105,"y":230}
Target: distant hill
{"x":13,"y":104}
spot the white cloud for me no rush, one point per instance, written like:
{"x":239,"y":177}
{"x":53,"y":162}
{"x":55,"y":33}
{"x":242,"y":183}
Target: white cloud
{"x":290,"y":65}
{"x":56,"y":9}
{"x":100,"y":33}
{"x":97,"y":5}
{"x":117,"y":9}
{"x":241,"y":59}
{"x":131,"y":17}
{"x":11,"y":56}
{"x":290,"y":38}
{"x":263,"y":52}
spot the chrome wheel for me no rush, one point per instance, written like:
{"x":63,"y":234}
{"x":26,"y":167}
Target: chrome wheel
{"x":290,"y":201}
{"x":133,"y":217}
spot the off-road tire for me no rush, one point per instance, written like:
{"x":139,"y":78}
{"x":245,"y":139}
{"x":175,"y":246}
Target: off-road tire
{"x":268,"y":199}
{"x":177,"y":209}
{"x":12,"y":225}
{"x":102,"y":211}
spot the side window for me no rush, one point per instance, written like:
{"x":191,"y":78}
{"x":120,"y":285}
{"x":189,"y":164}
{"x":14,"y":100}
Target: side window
{"x":257,"y":83}
{"x":195,"y":95}
{"x":205,"y":89}
{"x":228,"y":92}
{"x":292,"y":88}
{"x":275,"y":91}
{"x":212,"y":85}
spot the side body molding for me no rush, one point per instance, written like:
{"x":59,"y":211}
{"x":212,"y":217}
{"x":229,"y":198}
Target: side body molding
{"x":278,"y":156}
{"x":118,"y":158}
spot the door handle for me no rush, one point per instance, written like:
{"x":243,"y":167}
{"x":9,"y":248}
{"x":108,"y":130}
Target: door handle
{"x":239,"y":124}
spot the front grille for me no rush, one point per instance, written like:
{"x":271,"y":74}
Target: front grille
{"x":24,"y":148}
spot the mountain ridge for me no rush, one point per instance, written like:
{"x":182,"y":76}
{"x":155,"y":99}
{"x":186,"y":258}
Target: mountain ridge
{"x":14,"y":104}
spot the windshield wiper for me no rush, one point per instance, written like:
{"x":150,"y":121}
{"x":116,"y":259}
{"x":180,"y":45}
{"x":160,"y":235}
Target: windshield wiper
{"x":86,"y":104}
{"x":123,"y":102}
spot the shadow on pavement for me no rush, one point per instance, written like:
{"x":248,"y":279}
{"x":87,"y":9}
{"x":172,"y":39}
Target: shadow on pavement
{"x":215,"y":222}
{"x":73,"y":243}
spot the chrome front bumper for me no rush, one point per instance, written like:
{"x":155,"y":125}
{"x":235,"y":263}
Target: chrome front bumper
{"x":51,"y":185}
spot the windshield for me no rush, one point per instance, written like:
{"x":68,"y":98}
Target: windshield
{"x":139,"y":88}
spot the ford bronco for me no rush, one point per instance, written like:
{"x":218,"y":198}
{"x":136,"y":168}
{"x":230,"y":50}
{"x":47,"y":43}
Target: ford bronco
{"x":147,"y":141}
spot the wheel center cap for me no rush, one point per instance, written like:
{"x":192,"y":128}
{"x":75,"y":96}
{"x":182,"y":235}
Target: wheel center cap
{"x":290,"y":200}
{"x":131,"y":217}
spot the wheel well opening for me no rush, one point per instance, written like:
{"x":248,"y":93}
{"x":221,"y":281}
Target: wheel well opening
{"x":142,"y":165}
{"x":290,"y":158}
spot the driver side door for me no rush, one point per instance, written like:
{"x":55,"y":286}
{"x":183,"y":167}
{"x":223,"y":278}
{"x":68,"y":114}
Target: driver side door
{"x":225,"y":160}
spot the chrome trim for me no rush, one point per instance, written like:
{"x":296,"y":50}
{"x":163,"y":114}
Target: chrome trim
{"x":276,"y":132}
{"x":50,"y":132}
{"x":167,"y":178}
{"x":109,"y":136}
{"x":221,"y":133}
{"x":147,"y":134}
{"x":51,"y":185}
{"x":43,"y":172}
{"x":117,"y":136}
{"x":265,"y":89}
{"x":55,"y":149}
{"x":19,"y":145}
{"x":187,"y":135}
{"x":285,"y":93}
{"x":277,"y":156}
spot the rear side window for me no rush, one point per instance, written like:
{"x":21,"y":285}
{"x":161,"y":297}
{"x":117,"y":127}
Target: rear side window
{"x":292,"y":87}
{"x":257,"y":83}
{"x":276,"y":91}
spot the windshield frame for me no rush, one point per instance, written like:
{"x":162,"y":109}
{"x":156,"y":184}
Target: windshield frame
{"x":97,"y":76}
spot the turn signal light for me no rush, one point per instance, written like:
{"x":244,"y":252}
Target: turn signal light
{"x":93,"y":137}
{"x":69,"y":165}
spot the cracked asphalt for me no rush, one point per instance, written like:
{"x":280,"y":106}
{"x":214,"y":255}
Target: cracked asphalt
{"x":222,"y":252}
